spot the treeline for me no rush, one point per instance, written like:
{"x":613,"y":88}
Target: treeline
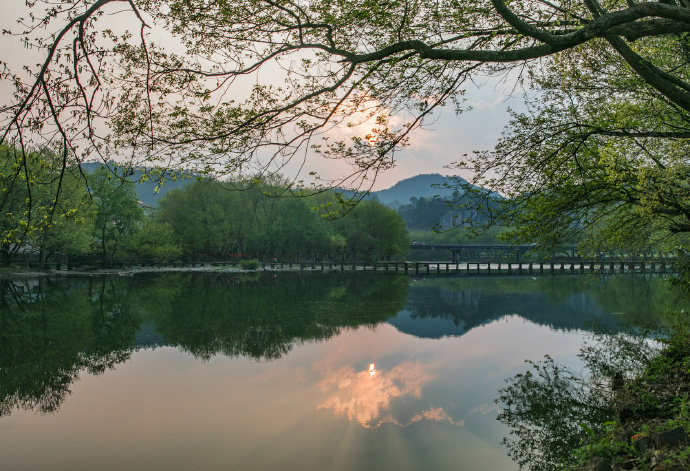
{"x":461,"y":218}
{"x":67,"y":212}
{"x":211,"y":219}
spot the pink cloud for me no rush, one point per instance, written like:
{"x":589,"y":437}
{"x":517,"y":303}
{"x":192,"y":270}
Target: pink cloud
{"x":365,"y":397}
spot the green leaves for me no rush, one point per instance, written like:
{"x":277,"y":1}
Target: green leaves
{"x":117,"y":212}
{"x":213,"y":219}
{"x":599,"y":159}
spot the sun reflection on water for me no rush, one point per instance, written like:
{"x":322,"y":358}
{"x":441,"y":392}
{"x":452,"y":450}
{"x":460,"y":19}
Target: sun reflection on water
{"x":365,"y":396}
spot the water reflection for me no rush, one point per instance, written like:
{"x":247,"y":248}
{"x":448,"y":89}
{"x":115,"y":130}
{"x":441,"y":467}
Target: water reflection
{"x":551,"y":409}
{"x":452,"y":306}
{"x":264,"y":318}
{"x":49,"y":336}
{"x":51,"y":330}
{"x":326,"y":372}
{"x":366,"y":397}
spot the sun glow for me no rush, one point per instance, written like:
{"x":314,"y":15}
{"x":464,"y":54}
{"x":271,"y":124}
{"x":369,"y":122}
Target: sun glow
{"x":365,"y":396}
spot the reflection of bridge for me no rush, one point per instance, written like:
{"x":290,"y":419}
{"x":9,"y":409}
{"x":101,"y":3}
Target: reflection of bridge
{"x":493,"y":251}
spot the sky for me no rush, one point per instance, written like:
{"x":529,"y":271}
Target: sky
{"x":450,"y":136}
{"x":432,"y":150}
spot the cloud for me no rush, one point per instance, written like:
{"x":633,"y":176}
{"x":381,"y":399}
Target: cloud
{"x":365,"y":396}
{"x":436,"y":414}
{"x":482,"y":104}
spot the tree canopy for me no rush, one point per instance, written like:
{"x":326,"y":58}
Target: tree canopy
{"x":247,"y":86}
{"x":599,"y":156}
{"x":211,"y":220}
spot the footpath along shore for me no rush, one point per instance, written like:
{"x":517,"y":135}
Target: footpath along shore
{"x":467,"y":268}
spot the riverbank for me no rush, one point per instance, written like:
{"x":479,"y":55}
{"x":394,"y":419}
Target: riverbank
{"x":9,"y":273}
{"x":651,"y":426}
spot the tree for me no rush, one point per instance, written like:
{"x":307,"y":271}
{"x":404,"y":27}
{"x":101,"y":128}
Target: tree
{"x":154,"y":241}
{"x":372,"y":232}
{"x":207,"y":219}
{"x":117,"y":212}
{"x":102,"y":91}
{"x":599,"y":157}
{"x":52,"y":217}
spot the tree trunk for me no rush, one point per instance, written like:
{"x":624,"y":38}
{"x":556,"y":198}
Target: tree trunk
{"x":103,"y":247}
{"x":42,"y":256}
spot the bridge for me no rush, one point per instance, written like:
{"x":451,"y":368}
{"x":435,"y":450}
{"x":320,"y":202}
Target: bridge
{"x":492,"y":251}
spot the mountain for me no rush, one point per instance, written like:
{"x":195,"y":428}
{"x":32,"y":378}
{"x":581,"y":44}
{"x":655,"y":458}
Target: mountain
{"x":433,"y":200}
{"x":420,"y":186}
{"x":146,"y":190}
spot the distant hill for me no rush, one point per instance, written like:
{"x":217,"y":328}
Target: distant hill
{"x":146,"y":190}
{"x":420,"y":186}
{"x":422,"y":201}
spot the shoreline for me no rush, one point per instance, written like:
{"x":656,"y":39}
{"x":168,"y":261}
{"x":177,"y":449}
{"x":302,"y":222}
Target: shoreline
{"x":36,"y":273}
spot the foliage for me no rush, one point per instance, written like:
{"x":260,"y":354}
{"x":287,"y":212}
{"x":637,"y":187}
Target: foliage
{"x":630,"y":411}
{"x":211,"y":219}
{"x":551,"y":410}
{"x":492,"y":235}
{"x":117,"y":212}
{"x":50,"y":219}
{"x":206,"y":218}
{"x":647,"y":407}
{"x":154,"y":241}
{"x":372,"y":232}
{"x":682,"y":279}
{"x":460,"y":211}
{"x":424,"y":213}
{"x":250,"y":264}
{"x":200,"y":98}
{"x":600,"y":157}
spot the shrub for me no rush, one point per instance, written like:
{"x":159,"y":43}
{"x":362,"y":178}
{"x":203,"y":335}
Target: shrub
{"x":250,"y":264}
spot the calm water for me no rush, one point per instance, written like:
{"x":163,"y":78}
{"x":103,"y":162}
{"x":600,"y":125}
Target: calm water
{"x":222,"y":372}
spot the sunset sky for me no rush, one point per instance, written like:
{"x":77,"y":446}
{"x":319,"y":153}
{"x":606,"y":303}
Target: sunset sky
{"x":443,"y":141}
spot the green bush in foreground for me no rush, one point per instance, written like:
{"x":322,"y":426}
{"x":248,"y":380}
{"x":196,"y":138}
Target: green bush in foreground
{"x":630,"y":409}
{"x":250,"y":264}
{"x":650,"y":424}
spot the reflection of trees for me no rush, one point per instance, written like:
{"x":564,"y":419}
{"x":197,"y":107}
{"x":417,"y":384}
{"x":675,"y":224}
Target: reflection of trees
{"x":550,"y":409}
{"x":559,"y":302}
{"x":50,"y":331}
{"x":471,"y":308}
{"x":209,"y":314}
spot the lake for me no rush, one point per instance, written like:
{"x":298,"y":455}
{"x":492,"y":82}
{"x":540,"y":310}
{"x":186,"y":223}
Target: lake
{"x":222,"y":371}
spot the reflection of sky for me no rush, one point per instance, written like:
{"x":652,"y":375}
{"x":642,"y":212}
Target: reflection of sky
{"x":364,"y":397}
{"x":429,"y":406}
{"x":396,"y":394}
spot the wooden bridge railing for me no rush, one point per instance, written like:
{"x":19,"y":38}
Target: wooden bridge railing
{"x":426,"y":268}
{"x":486,"y":268}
